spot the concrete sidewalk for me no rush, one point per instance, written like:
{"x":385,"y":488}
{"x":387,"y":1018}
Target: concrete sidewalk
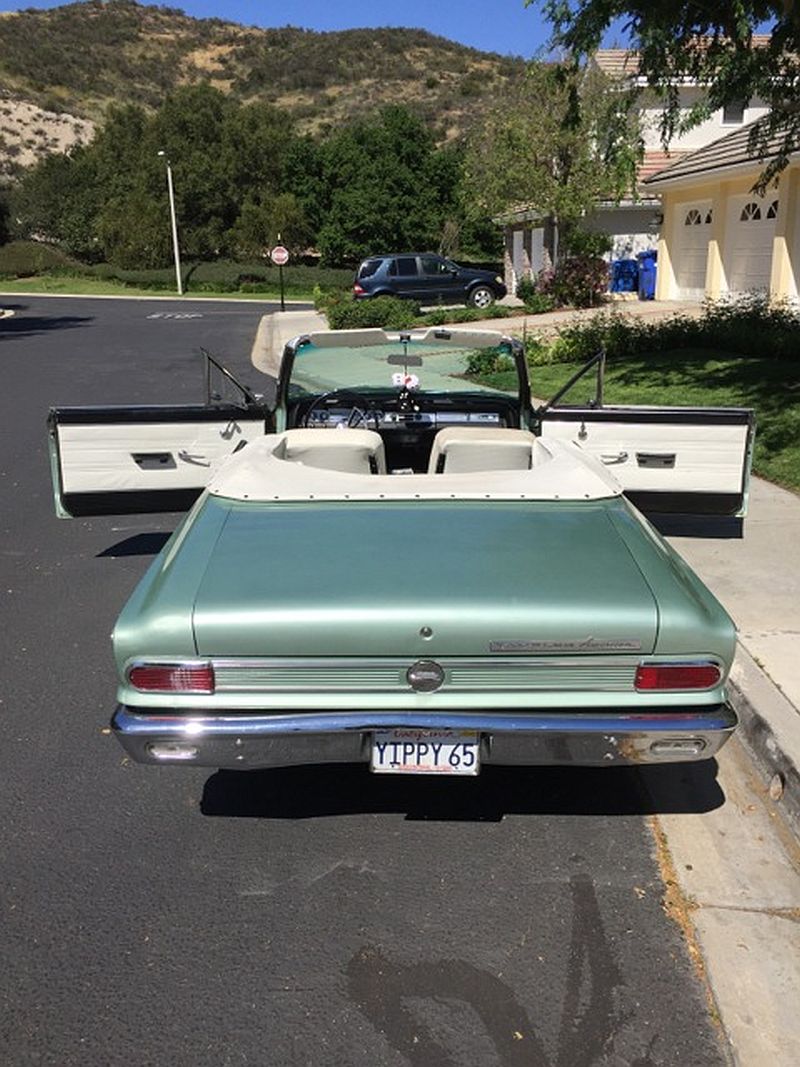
{"x":521,"y":324}
{"x":757,"y":579}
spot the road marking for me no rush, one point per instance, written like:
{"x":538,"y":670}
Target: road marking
{"x":176,"y":315}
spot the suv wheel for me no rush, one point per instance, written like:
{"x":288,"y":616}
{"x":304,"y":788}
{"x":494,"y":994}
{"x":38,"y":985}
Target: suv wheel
{"x":481,"y":296}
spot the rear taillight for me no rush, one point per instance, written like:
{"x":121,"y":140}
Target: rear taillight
{"x":172,"y":677}
{"x":650,"y":676}
{"x":357,"y":289}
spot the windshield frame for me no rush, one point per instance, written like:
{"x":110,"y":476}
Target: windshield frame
{"x":511,"y":346}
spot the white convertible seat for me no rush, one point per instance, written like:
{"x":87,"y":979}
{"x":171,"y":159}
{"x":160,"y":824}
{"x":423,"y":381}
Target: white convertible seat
{"x":463,"y":449}
{"x":351,"y":450}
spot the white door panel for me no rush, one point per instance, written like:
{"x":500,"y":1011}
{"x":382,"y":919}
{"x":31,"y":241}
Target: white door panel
{"x":117,"y":460}
{"x":666,"y":459}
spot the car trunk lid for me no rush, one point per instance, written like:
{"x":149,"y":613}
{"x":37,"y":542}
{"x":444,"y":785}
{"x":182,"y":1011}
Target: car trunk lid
{"x":422,"y":579}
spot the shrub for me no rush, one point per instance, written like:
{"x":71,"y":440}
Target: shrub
{"x":526,"y":288}
{"x":751,"y":325}
{"x":226,"y":276}
{"x":747,"y":326}
{"x":386,"y":312}
{"x":594,"y":244}
{"x":538,"y":303}
{"x":485,"y":361}
{"x":23,"y":259}
{"x":579,"y":281}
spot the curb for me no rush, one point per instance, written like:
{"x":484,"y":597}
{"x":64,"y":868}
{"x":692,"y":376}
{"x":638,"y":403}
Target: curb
{"x":769,"y":726}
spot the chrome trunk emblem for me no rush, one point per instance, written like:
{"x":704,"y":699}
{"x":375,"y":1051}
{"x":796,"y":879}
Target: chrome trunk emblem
{"x":586,"y":644}
{"x":425,"y":676}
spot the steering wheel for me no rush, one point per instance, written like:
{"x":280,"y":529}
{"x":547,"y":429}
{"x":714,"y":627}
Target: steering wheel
{"x":358,"y":408}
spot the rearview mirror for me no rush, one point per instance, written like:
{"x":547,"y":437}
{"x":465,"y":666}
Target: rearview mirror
{"x":405,"y":361}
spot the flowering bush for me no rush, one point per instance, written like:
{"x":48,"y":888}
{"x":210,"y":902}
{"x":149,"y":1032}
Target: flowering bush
{"x":580,"y":281}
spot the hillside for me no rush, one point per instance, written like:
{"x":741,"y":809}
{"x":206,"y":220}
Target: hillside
{"x":60,"y":69}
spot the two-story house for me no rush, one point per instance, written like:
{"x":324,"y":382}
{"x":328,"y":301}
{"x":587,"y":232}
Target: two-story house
{"x":635,"y":223}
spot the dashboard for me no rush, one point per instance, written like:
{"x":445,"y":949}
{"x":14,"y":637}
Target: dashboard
{"x":332,"y":418}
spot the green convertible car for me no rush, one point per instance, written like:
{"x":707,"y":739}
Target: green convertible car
{"x":394,"y":562}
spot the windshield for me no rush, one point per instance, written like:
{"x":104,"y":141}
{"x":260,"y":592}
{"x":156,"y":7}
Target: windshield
{"x":452,"y":366}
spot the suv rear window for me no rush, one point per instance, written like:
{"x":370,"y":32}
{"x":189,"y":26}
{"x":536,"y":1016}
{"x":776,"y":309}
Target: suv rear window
{"x":368,"y":268}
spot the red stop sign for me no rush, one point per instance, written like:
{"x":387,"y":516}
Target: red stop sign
{"x":279,"y":255}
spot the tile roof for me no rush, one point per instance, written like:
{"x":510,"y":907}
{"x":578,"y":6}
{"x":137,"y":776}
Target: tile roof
{"x":729,"y":151}
{"x":656,"y":161}
{"x":617,"y":62}
{"x":624,"y":63}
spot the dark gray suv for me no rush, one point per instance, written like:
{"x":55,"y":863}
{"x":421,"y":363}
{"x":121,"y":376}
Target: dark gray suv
{"x":427,"y":278}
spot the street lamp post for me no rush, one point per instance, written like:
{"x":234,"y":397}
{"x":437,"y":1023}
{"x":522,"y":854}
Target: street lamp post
{"x":175,"y":246}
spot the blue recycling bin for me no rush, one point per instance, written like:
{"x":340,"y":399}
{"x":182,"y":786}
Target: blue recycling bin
{"x":624,"y":275}
{"x":647,"y":274}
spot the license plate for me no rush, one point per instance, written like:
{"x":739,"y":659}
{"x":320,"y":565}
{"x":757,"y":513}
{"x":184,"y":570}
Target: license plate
{"x":425,"y":752}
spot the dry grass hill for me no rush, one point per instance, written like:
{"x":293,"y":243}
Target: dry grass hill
{"x":60,"y":69}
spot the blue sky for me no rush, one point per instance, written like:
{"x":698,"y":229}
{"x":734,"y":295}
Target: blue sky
{"x":504,"y":26}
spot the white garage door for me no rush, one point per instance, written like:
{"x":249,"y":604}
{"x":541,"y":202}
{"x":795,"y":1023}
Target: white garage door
{"x":751,"y":228}
{"x":691,"y":248}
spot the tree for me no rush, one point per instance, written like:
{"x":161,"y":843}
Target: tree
{"x":562,"y":141}
{"x":382,"y":186}
{"x":264,"y":221}
{"x":57,"y":200}
{"x":709,"y":42}
{"x":109,"y":199}
{"x":134,"y":231}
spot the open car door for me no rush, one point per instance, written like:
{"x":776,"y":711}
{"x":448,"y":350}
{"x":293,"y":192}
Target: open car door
{"x":689,"y":461}
{"x":126,"y":459}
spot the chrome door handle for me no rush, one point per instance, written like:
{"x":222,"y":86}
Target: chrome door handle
{"x":614,"y":457}
{"x":198,"y":461}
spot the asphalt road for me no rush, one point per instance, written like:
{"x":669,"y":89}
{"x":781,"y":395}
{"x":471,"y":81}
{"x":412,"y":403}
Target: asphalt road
{"x":307,"y":916}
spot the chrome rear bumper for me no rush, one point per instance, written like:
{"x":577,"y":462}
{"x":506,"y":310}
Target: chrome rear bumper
{"x":248,"y":741}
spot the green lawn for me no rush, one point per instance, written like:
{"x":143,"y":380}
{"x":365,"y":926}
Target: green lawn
{"x":699,"y":376}
{"x":100,"y":287}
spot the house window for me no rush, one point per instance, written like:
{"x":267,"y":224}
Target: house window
{"x":693,"y":217}
{"x":709,"y":217}
{"x":751,"y":212}
{"x":733,"y":113}
{"x":772,"y":210}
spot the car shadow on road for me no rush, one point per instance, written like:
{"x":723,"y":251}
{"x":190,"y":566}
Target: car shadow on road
{"x":17,"y":326}
{"x":347,"y":789}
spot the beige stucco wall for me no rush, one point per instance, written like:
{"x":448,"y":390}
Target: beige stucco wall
{"x":786,"y":245}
